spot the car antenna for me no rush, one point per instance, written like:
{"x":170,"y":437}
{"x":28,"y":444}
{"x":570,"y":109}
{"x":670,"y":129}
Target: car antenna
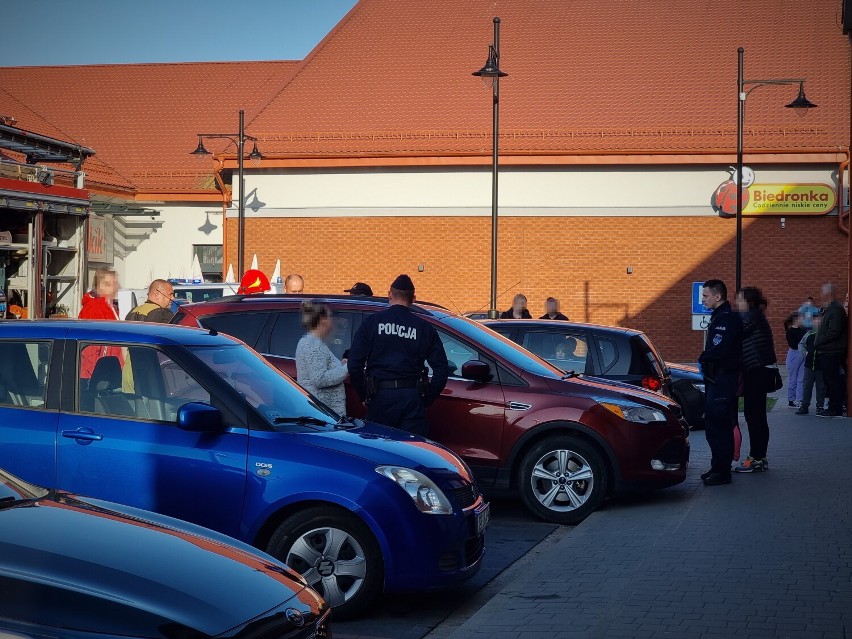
{"x":482,"y":308}
{"x":201,"y":323}
{"x":458,"y":310}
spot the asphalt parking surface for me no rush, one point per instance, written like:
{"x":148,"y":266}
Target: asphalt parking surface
{"x":511,"y":535}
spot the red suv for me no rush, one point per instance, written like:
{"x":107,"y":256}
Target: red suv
{"x":562,"y":441}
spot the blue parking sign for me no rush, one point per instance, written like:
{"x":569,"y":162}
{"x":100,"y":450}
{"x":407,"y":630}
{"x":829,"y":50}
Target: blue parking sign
{"x":697,"y":307}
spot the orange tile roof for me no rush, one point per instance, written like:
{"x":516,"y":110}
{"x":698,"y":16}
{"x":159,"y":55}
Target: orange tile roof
{"x":25,"y":118}
{"x":141,"y":119}
{"x":394,"y":78}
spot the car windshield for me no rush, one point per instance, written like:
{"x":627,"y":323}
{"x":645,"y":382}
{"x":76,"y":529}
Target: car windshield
{"x":503,"y":347}
{"x":275,"y":396}
{"x":13,"y":490}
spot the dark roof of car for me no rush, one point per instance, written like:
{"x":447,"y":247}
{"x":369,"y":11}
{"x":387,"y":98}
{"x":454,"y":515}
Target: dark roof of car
{"x":541,"y":323}
{"x":117,"y":331}
{"x":272,"y":300}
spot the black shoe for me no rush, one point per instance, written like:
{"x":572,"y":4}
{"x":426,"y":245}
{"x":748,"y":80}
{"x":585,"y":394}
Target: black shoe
{"x":820,"y":411}
{"x":706,"y":475}
{"x":802,"y":411}
{"x":830,"y":413}
{"x":717,"y":479}
{"x":791,"y":404}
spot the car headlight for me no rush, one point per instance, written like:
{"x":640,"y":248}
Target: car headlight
{"x":426,"y":495}
{"x":633,"y":412}
{"x":699,"y":386}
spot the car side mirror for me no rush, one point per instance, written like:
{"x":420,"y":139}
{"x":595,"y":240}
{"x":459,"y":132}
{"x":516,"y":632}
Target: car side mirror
{"x":197,"y":417}
{"x":476,"y":370}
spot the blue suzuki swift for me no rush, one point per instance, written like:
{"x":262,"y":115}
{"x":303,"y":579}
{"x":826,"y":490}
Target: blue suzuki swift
{"x":196,"y":425}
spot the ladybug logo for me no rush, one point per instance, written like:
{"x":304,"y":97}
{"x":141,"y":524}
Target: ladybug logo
{"x":725,"y":196}
{"x":254,"y":281}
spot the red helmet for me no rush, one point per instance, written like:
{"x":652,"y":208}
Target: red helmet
{"x":254,"y":281}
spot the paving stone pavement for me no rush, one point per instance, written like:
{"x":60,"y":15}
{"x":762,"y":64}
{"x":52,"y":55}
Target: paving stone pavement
{"x":768,"y":556}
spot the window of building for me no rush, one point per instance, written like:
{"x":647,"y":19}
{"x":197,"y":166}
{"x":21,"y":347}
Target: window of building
{"x":211,"y":258}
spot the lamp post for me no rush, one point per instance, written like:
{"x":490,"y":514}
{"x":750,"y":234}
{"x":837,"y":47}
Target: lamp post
{"x":239,"y":139}
{"x":491,"y":75}
{"x":801,"y":104}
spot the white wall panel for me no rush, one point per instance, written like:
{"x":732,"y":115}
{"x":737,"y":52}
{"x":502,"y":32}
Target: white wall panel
{"x":168,"y":252}
{"x":522,"y":191}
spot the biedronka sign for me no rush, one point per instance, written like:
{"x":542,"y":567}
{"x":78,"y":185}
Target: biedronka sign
{"x":773,"y":199}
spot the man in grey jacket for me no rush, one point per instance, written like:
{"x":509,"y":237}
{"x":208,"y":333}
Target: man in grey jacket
{"x":830,"y":344}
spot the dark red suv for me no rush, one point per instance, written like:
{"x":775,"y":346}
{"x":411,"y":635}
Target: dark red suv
{"x":564,"y":442}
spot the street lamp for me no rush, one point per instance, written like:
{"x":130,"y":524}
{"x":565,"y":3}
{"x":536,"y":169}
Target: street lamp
{"x":491,"y":75}
{"x":255,"y":156}
{"x":801,"y":104}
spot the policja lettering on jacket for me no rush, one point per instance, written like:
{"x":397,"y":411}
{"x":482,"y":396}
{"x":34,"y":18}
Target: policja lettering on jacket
{"x":408,"y":332}
{"x":386,"y":362}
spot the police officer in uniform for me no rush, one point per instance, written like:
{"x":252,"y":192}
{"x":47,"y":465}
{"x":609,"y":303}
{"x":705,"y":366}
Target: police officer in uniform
{"x":391,"y":347}
{"x":721,"y":365}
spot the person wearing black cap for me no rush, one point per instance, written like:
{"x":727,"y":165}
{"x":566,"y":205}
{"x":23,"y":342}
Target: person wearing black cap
{"x":359,"y":288}
{"x":386,"y":362}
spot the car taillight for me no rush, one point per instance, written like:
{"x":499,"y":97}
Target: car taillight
{"x":651,"y":383}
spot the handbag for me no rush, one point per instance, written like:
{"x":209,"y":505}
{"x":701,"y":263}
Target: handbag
{"x":773,"y":379}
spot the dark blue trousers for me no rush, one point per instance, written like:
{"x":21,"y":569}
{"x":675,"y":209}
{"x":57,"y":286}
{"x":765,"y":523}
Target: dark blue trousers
{"x":720,"y":415}
{"x":401,"y":408}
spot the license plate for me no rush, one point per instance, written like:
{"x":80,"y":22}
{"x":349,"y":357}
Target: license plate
{"x":483,"y":517}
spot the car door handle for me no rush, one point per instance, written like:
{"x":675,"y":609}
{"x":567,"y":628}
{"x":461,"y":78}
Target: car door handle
{"x":83,"y":434}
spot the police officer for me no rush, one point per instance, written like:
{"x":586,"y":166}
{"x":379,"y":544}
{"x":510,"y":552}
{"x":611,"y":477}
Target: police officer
{"x":720,"y":364}
{"x":392,"y":346}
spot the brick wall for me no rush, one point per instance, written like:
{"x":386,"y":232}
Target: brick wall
{"x":580,"y":260}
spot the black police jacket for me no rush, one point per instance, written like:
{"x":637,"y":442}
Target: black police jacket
{"x":723,"y":348}
{"x":393,"y":344}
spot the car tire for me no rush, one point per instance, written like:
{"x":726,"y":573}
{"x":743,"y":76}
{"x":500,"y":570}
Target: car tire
{"x":563,"y":479}
{"x":336,"y":554}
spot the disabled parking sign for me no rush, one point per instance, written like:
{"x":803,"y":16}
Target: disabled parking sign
{"x":697,"y":307}
{"x":700,"y":313}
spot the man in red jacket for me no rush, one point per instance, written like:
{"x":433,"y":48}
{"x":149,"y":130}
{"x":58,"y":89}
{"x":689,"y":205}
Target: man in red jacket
{"x":99,"y":304}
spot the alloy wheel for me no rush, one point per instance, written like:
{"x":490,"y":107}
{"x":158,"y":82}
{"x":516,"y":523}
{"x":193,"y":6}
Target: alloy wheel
{"x":562,"y":480}
{"x":331,"y":561}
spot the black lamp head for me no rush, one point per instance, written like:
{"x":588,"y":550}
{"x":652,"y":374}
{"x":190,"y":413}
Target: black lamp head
{"x":490,"y":71}
{"x":200,"y":151}
{"x":255,"y":156}
{"x":801,"y":103}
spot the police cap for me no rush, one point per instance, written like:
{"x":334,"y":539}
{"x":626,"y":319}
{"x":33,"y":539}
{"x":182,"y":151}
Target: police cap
{"x":403,"y":283}
{"x":360,"y":288}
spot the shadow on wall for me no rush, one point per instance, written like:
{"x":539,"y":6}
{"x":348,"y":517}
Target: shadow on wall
{"x":787,"y":264}
{"x":606,"y":308}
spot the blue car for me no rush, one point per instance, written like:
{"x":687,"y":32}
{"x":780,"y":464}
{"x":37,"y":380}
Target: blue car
{"x":196,"y":425}
{"x":81,"y":568}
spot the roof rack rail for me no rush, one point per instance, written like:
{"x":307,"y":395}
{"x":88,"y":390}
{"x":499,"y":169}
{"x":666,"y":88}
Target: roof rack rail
{"x":319,"y":296}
